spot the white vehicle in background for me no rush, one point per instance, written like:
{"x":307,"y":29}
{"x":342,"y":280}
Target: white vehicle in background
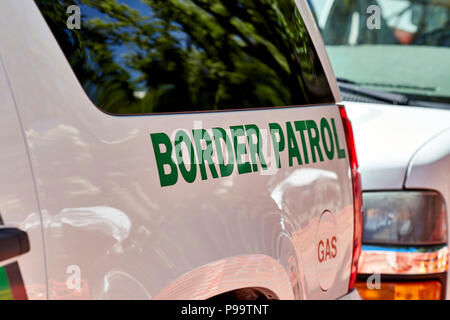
{"x":395,"y":82}
{"x":173,"y":150}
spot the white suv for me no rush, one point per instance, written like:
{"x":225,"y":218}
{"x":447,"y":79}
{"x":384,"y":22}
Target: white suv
{"x":174,"y":150}
{"x":392,"y":60}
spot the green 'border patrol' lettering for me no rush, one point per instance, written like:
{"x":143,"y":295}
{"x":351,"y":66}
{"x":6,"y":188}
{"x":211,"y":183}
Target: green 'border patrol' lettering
{"x":219,"y":154}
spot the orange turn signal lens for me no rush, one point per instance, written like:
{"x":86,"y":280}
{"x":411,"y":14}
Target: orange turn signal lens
{"x":423,"y":290}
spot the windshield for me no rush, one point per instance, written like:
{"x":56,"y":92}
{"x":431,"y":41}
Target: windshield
{"x":400,"y":46}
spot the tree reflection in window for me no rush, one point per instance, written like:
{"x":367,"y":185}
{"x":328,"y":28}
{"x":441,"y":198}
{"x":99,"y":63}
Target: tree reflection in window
{"x":156,"y":56}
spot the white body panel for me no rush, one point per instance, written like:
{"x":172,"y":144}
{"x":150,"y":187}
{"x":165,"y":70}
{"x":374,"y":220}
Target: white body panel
{"x":410,"y":150}
{"x":387,"y":137}
{"x":18,"y":202}
{"x":430,"y":169}
{"x":104,"y":210}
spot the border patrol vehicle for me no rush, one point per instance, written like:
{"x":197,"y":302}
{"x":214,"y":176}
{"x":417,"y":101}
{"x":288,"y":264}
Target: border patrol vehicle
{"x":173,"y":150}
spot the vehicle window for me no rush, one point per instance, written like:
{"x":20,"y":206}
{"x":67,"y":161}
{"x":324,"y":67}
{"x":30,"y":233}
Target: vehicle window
{"x":155,"y":56}
{"x":400,"y":46}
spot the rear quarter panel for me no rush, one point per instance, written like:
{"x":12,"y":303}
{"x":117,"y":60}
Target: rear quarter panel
{"x":429,"y":169}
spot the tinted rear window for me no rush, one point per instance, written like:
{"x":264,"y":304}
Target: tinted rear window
{"x":150,"y":56}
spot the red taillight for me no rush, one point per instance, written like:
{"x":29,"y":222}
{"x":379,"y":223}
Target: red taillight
{"x":357,"y":196}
